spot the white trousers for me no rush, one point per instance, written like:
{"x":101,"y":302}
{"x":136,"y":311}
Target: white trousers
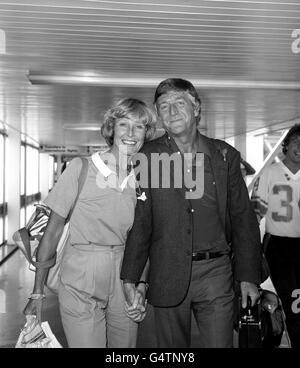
{"x":91,"y":298}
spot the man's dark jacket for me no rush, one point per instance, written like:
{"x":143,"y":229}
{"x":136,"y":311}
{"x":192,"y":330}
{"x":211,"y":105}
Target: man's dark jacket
{"x":162,"y":228}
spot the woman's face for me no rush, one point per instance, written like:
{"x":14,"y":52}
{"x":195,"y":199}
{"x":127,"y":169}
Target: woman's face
{"x":129,"y":135}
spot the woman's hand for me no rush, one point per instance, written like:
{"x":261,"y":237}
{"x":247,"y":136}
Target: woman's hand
{"x":135,"y":305}
{"x":137,"y":314}
{"x":34,"y":307}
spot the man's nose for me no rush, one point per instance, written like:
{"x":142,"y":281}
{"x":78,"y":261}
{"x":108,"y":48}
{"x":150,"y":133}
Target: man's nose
{"x":173,"y":109}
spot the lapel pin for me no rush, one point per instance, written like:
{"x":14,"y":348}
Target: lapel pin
{"x":224,"y":153}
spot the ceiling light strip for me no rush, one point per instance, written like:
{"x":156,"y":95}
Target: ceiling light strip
{"x":151,"y":82}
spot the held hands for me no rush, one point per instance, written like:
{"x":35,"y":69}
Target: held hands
{"x":249,"y":289}
{"x":135,"y":305}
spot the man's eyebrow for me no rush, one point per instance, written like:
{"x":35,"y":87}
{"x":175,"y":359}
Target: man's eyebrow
{"x":171,"y":98}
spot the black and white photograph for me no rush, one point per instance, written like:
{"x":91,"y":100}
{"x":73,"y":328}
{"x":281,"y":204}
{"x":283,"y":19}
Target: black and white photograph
{"x":150,"y":177}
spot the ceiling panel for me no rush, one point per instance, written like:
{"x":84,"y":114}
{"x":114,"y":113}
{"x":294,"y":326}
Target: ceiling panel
{"x":220,"y":41}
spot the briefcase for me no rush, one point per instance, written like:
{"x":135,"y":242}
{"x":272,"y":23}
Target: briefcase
{"x":250,"y":326}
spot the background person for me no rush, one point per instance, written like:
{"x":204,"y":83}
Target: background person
{"x":276,"y":196}
{"x":91,"y":297}
{"x":188,"y":241}
{"x":246,"y":168}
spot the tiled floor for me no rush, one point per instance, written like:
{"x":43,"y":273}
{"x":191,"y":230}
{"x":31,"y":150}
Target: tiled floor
{"x":16,"y":282}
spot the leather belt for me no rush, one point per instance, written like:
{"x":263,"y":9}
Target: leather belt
{"x":198,"y":256}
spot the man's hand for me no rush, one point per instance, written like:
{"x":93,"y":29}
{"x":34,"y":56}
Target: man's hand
{"x":136,"y":314}
{"x":140,"y":297}
{"x":249,"y":289}
{"x":135,"y":305}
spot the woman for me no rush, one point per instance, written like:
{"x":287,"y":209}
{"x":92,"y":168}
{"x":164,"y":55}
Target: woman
{"x":90,"y":294}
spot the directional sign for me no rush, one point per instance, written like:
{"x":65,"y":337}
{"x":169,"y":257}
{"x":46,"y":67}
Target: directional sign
{"x":71,"y":150}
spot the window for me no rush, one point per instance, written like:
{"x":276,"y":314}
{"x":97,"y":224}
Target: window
{"x":32,"y":170}
{"x":29,"y":191}
{"x":22,"y":179}
{"x":3,"y":204}
{"x":1,"y":168}
{"x":51,"y":172}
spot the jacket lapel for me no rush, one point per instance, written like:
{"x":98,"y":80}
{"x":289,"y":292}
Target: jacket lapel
{"x":219,"y":165}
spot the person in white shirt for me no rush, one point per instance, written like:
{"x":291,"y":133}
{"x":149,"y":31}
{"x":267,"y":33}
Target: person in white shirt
{"x":276,"y":196}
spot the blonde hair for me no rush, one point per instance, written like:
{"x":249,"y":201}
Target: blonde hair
{"x":128,"y":106}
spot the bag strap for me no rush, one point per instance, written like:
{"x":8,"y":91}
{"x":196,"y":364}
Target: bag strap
{"x":81,"y":180}
{"x":23,"y":235}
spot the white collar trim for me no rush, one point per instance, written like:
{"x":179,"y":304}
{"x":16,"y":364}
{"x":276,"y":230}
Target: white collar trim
{"x":106,"y":171}
{"x":288,"y":171}
{"x":101,"y":166}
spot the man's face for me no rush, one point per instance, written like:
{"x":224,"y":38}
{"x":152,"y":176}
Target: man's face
{"x":178,"y":111}
{"x":293,"y":150}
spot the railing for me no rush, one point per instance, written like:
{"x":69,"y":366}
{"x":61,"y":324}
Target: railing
{"x":272,"y":154}
{"x":26,"y":200}
{"x":3,"y":209}
{"x":6,"y":251}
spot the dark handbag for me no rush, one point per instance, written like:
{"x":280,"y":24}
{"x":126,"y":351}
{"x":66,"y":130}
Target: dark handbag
{"x":262,"y":325}
{"x":273,"y":319}
{"x":250,"y":325}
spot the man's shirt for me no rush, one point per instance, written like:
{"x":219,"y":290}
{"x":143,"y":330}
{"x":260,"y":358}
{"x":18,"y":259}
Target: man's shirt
{"x":208,"y":234}
{"x":207,"y":230}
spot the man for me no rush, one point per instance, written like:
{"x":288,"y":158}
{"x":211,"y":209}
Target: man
{"x":189,"y":240}
{"x":276,"y":196}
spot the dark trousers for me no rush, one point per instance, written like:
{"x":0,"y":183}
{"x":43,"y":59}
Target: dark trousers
{"x":283,"y":256}
{"x":210,"y":298}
